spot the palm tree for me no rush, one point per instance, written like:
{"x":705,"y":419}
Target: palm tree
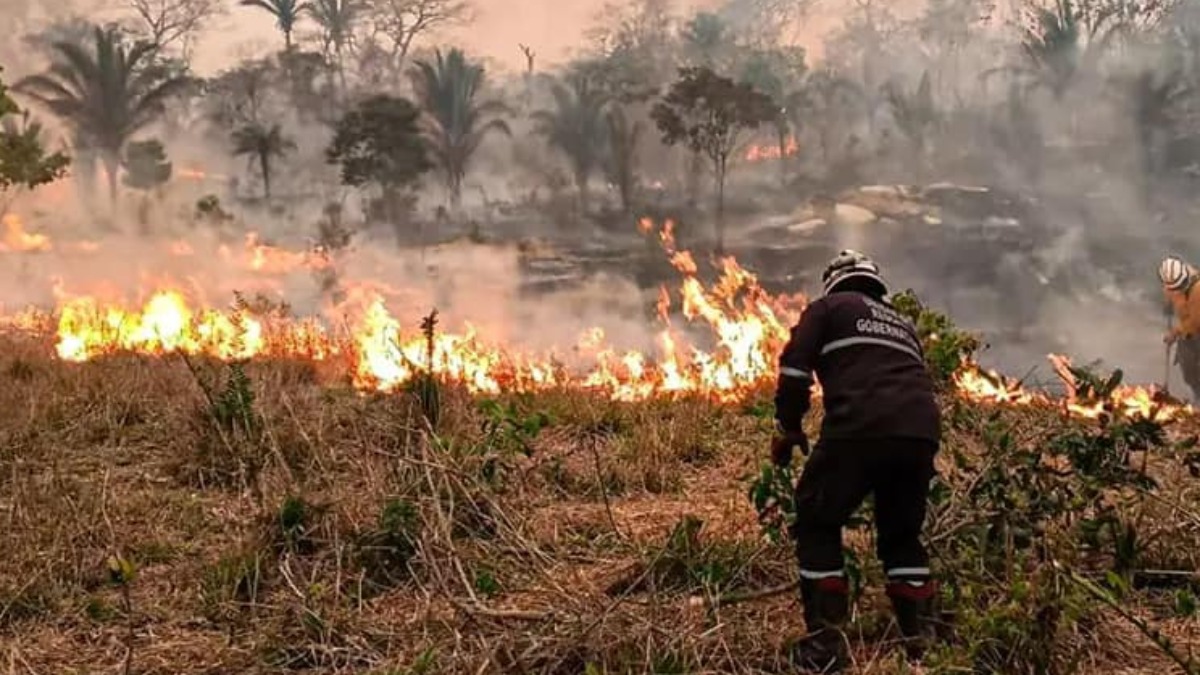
{"x":1053,"y":46}
{"x":105,"y":95}
{"x":337,"y":19}
{"x":456,"y":123}
{"x":915,"y":114}
{"x":1154,"y":96}
{"x":624,"y":135}
{"x":1061,"y":42}
{"x":263,"y":144}
{"x":286,"y":13}
{"x":577,"y":127}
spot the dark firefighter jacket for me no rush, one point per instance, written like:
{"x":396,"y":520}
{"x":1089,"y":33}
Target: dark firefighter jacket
{"x":868,"y":360}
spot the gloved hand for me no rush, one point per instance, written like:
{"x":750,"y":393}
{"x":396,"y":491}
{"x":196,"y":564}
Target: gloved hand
{"x":784,"y":444}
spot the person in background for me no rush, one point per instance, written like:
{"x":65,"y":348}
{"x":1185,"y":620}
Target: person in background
{"x":880,"y":434}
{"x":1178,"y":279}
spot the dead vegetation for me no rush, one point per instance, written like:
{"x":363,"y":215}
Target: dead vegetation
{"x":172,"y":516}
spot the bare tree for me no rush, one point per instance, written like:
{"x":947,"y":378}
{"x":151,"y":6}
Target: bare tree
{"x":395,"y":25}
{"x":530,"y":55}
{"x":175,"y":23}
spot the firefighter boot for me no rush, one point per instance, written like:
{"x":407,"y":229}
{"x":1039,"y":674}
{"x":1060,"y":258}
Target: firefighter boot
{"x":914,"y":603}
{"x":826,"y":609}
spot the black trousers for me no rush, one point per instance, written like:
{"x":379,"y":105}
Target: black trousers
{"x":838,"y":476}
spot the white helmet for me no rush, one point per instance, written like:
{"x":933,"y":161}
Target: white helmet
{"x":1174,"y":273}
{"x":850,"y":264}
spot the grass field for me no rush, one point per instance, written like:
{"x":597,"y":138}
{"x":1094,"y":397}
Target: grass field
{"x":163,"y":515}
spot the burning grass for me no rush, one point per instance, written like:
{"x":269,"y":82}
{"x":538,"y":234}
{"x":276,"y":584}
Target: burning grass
{"x":186,"y":516}
{"x":190,"y":490}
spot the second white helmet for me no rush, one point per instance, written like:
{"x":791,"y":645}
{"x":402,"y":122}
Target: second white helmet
{"x":1174,"y":273}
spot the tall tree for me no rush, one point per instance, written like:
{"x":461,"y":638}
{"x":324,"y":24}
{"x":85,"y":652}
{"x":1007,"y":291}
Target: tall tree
{"x":1154,"y":97}
{"x":337,"y":20}
{"x":576,"y":126}
{"x":708,"y":112}
{"x":641,"y":37}
{"x":707,"y":40}
{"x":146,"y":165}
{"x":778,"y":73}
{"x":395,"y":25}
{"x":456,"y":120}
{"x":1063,"y":39}
{"x":105,"y":94}
{"x":146,"y":170}
{"x":262,"y":144}
{"x":286,"y":12}
{"x":175,"y":23}
{"x":830,"y":102}
{"x":915,"y":113}
{"x":624,"y":134}
{"x":379,"y":142}
{"x":763,"y":23}
{"x":245,"y":94}
{"x":24,"y":162}
{"x":1053,"y":44}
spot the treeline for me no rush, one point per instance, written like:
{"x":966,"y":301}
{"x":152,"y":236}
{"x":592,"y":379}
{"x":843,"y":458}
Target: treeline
{"x":657,"y":105}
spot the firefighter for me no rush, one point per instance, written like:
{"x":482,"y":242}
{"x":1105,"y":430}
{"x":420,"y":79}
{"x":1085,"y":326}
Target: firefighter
{"x":1178,"y":279}
{"x":880,"y":433}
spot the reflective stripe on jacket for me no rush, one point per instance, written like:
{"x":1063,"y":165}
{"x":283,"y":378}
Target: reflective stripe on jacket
{"x":869,"y":361}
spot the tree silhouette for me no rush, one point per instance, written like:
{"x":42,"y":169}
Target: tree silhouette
{"x":624,"y":134}
{"x":914,"y":113}
{"x":456,"y":119}
{"x":146,"y":169}
{"x":146,"y":165}
{"x":24,"y":162}
{"x":286,"y":13}
{"x":262,"y":144}
{"x":707,"y":113}
{"x":106,"y":94}
{"x":337,"y":20}
{"x":576,"y":126}
{"x":379,"y":142}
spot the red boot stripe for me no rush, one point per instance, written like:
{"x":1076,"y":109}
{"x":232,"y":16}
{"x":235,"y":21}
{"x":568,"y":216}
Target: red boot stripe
{"x":834,"y":585}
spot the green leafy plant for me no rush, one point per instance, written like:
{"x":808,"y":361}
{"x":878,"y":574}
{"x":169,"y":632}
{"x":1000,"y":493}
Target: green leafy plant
{"x":385,"y":552}
{"x":425,"y":385}
{"x":233,"y":406}
{"x":947,"y":348}
{"x":24,"y":162}
{"x":295,"y":524}
{"x":772,"y":494}
{"x":506,"y":426}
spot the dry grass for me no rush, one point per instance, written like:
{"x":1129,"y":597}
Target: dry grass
{"x":339,"y":533}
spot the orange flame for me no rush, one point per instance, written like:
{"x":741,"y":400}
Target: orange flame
{"x":1133,"y":401}
{"x":17,"y":239}
{"x":743,"y":328}
{"x":759,"y":153}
